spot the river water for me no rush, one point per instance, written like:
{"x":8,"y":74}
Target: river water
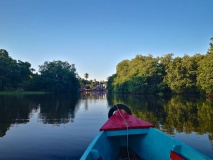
{"x":53,"y":127}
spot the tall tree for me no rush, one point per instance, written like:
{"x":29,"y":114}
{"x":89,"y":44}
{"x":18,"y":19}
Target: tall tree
{"x":110,"y":83}
{"x":143,"y":74}
{"x":58,"y":76}
{"x":205,"y":70}
{"x":86,"y":76}
{"x":13,"y":74}
{"x":121,"y":78}
{"x":6,"y":70}
{"x":182,"y":74}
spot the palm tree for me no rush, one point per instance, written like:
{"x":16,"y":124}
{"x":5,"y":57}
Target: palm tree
{"x":86,"y":75}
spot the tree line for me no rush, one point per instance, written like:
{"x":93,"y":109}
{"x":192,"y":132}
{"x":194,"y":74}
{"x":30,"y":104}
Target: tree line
{"x":165,"y":74}
{"x":55,"y":76}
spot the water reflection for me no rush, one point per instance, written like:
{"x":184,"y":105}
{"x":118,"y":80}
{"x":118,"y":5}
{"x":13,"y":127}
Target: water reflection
{"x":13,"y":110}
{"x":171,"y":114}
{"x":58,"y":109}
{"x":44,"y":114}
{"x":92,"y":96}
{"x":53,"y":109}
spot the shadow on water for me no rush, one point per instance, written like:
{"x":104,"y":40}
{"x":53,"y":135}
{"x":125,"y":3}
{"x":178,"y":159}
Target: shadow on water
{"x":54,"y":109}
{"x":171,"y":114}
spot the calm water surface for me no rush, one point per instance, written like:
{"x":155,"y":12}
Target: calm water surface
{"x":62,"y":126}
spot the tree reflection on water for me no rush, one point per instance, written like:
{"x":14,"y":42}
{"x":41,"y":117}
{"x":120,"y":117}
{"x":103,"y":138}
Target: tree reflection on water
{"x":171,"y":114}
{"x":53,"y":109}
{"x":58,"y":109}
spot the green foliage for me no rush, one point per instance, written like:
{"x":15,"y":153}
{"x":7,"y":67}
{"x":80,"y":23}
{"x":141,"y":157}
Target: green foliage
{"x":138,"y":85}
{"x":87,"y":87}
{"x":110,"y":85}
{"x":182,"y":73}
{"x":14,"y":73}
{"x":205,"y":72}
{"x":58,"y":76}
{"x":35,"y":83}
{"x":145,"y":74}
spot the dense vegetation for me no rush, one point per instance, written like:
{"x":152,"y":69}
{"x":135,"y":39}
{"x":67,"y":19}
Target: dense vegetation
{"x":13,"y":74}
{"x":166,"y":74}
{"x":56,"y":76}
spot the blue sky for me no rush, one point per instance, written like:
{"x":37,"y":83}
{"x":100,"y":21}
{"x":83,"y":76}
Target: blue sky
{"x":96,"y":35}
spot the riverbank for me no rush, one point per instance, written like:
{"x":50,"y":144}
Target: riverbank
{"x":21,"y":92}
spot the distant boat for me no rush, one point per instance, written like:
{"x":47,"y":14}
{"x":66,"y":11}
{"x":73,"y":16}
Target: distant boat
{"x":124,"y":136}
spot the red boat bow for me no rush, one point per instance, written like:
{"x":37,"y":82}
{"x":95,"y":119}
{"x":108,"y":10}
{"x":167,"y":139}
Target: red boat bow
{"x":116,"y":122}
